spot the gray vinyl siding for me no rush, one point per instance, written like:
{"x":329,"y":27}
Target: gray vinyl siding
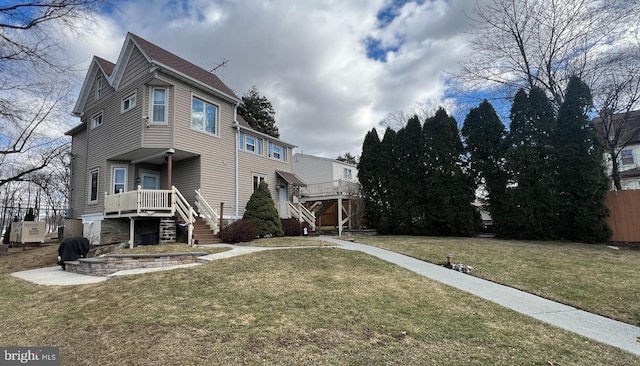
{"x":120,"y":132}
{"x":137,"y":67}
{"x":249,"y":164}
{"x":186,"y":178}
{"x":217,"y":153}
{"x":78,"y":174}
{"x":158,"y":135}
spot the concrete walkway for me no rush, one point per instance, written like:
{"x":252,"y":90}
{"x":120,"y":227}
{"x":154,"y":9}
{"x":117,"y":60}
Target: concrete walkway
{"x":596,"y":327}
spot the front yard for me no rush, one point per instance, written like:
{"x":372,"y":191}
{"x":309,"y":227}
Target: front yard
{"x":310,"y":306}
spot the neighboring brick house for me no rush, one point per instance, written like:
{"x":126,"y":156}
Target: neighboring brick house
{"x":160,"y":138}
{"x":629,"y":155}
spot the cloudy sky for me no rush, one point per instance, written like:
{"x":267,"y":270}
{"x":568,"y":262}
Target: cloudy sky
{"x":332,"y":69}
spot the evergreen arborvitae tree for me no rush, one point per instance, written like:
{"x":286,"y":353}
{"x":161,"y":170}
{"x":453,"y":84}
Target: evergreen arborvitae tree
{"x":369,"y":177}
{"x":259,"y":113}
{"x":389,"y":183}
{"x":409,"y":176}
{"x":531,"y":165}
{"x":484,"y":135}
{"x":261,"y":210}
{"x":582,"y":182}
{"x":448,"y":191}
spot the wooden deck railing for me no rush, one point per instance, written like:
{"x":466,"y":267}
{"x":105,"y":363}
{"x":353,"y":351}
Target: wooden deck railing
{"x":139,"y":201}
{"x":333,"y":188}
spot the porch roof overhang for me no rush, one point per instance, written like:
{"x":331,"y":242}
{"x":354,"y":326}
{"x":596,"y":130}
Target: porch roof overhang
{"x":153,"y":155}
{"x":291,"y":178}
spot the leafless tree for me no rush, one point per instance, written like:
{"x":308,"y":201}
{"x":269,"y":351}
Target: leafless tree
{"x":526,"y":43}
{"x":36,"y":81}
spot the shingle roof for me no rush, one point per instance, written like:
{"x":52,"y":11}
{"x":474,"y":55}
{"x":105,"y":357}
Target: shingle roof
{"x":106,"y":66}
{"x":631,"y":130}
{"x":185,"y":67}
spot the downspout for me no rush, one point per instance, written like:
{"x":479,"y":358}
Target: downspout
{"x":236,"y":126}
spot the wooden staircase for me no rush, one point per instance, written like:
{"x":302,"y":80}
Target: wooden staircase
{"x":203,"y":233}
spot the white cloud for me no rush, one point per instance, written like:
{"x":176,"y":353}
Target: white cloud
{"x":308,"y":58}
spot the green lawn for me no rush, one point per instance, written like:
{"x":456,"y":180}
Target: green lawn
{"x":313,"y":306}
{"x":594,"y":278}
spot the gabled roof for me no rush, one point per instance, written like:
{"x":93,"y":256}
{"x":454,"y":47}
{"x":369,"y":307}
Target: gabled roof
{"x":159,"y":58}
{"x":631,"y":130}
{"x":106,"y":66}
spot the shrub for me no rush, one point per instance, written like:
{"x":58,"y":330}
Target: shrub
{"x":262,"y":212}
{"x":292,"y":227}
{"x":239,"y":231}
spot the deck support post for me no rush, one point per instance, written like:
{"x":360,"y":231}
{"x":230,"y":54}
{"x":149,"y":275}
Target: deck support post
{"x":132,"y":226}
{"x":340,"y":216}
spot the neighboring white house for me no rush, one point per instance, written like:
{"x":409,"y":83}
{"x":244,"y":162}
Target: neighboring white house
{"x":316,"y":169}
{"x":629,"y":156}
{"x":332,"y":190}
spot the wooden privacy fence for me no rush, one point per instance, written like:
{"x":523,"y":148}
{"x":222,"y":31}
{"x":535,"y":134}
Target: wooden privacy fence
{"x":624,"y":217}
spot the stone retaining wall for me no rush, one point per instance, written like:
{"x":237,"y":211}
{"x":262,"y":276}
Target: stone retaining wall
{"x":112,"y":263}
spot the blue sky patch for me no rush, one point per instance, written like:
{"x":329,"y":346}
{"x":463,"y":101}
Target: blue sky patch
{"x":376,"y":51}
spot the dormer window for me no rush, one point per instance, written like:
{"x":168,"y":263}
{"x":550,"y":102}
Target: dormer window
{"x":99,"y":87}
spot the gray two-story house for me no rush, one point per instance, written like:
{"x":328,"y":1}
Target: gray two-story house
{"x":160,"y":144}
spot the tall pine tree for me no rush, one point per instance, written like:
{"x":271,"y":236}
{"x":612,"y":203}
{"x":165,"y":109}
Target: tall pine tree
{"x":582,"y":182}
{"x":409,"y":152}
{"x":531,"y":162}
{"x":369,"y":177}
{"x":258,"y":112}
{"x":484,"y":136}
{"x":448,"y":191}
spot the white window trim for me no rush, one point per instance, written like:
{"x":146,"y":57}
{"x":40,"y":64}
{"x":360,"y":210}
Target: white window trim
{"x":166,"y":105}
{"x":91,"y":172}
{"x":217,"y":119}
{"x":93,"y":124}
{"x":113,"y":178}
{"x":261,"y":178}
{"x":257,"y":145}
{"x":99,"y":87}
{"x":283,"y":151}
{"x":129,"y":97}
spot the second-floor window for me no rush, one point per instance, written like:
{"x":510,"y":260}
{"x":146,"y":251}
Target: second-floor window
{"x":626,"y":157}
{"x":96,"y":120}
{"x":204,"y":116}
{"x":159,"y":105}
{"x":128,"y":102}
{"x":250,"y":143}
{"x":277,"y":152}
{"x":346,"y":173}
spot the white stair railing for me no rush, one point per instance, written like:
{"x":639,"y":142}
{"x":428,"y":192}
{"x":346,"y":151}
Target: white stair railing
{"x":184,"y":209}
{"x":298,"y":211}
{"x":207,"y":213}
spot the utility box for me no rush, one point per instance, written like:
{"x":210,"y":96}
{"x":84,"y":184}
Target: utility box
{"x":27,"y":231}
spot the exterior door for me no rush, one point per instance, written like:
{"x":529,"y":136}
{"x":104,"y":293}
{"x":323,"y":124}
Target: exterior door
{"x":150,"y":181}
{"x":282,"y":201}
